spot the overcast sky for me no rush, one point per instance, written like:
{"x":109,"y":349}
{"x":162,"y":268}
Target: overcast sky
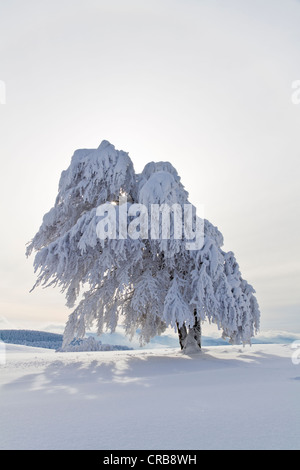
{"x":204,"y":84}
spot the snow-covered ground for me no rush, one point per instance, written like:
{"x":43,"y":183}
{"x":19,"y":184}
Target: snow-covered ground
{"x":227,"y":397}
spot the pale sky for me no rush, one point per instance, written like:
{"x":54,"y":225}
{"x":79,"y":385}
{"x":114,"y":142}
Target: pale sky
{"x":204,"y":84}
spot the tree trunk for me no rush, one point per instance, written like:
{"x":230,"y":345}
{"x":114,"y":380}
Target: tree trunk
{"x":182,"y":334}
{"x":190,"y":341}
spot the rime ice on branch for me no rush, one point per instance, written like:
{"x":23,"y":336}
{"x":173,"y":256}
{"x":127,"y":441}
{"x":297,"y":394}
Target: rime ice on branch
{"x":145,"y":283}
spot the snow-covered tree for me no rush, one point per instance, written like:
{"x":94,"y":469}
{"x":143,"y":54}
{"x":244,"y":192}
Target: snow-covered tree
{"x":146,"y":276}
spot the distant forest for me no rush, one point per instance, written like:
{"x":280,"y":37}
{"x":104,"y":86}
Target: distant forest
{"x":33,"y":338}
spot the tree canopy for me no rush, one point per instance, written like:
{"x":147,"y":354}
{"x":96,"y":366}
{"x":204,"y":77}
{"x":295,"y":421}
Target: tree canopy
{"x":148,"y":276}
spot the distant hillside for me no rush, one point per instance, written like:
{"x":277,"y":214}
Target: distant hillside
{"x":43,"y":339}
{"x":118,"y":340}
{"x":37,"y":339}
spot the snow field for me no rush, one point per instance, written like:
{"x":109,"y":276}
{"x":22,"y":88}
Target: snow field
{"x":227,"y":397}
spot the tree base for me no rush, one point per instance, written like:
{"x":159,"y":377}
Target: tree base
{"x":192,"y":345}
{"x":190,"y":340}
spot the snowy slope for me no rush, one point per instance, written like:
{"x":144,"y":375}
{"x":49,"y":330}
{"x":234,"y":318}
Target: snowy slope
{"x":227,"y":397}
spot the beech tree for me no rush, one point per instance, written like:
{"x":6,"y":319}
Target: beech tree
{"x":126,"y":245}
